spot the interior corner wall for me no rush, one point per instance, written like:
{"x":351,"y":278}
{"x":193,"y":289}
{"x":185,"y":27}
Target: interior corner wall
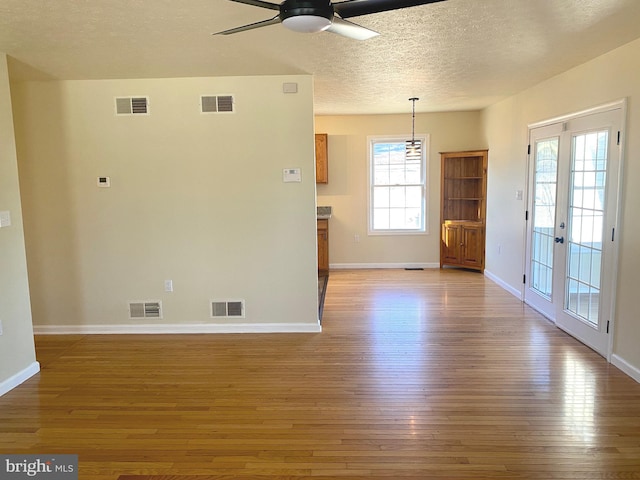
{"x":608,"y":78}
{"x":195,"y":198}
{"x":347,"y":189}
{"x":17,"y":352}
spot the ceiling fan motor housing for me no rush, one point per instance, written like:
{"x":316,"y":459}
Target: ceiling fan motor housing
{"x":311,"y":16}
{"x":314,"y":8}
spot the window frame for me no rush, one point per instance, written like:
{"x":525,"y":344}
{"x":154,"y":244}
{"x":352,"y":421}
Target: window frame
{"x":377,"y":139}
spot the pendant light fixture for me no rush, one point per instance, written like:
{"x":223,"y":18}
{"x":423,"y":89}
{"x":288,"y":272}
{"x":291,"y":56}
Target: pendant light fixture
{"x":413,"y":146}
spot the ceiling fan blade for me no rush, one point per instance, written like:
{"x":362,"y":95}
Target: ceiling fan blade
{"x":354,"y":8}
{"x":251,"y":26}
{"x":259,"y":3}
{"x":350,"y":30}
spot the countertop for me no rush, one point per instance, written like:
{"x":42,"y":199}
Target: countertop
{"x":323,"y":213}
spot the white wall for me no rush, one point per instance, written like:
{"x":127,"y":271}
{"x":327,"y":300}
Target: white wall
{"x":347,"y":190}
{"x":607,"y":78}
{"x":17,"y":353}
{"x":198,"y":199}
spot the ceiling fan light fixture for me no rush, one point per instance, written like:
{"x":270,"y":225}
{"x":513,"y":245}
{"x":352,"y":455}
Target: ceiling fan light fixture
{"x":307,"y":23}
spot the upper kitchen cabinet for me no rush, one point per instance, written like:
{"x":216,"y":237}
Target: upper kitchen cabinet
{"x":322,"y":159}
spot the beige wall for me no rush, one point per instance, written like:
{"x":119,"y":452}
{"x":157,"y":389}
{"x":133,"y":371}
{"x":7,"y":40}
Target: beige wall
{"x":17,"y":352}
{"x":607,"y":78}
{"x":347,"y":190}
{"x":198,"y":199}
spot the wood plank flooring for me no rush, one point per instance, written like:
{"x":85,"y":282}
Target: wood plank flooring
{"x":417,"y":375}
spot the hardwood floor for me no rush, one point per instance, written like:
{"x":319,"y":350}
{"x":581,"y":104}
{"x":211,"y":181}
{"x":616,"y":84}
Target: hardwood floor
{"x":417,"y":375}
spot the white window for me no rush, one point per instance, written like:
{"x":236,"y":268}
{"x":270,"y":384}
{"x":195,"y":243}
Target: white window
{"x":397,"y":186}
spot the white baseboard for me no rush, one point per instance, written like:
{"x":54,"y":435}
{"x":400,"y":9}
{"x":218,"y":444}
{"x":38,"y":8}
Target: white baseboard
{"x":361,"y":266}
{"x":513,"y":291}
{"x":626,"y":367}
{"x":176,"y":328}
{"x":20,"y":377}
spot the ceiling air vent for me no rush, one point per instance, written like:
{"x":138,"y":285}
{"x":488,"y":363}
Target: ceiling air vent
{"x":216,"y":103}
{"x":150,"y":309}
{"x":132,"y":106}
{"x":227,"y":309}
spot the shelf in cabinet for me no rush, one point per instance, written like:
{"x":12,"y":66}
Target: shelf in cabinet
{"x":463,"y":221}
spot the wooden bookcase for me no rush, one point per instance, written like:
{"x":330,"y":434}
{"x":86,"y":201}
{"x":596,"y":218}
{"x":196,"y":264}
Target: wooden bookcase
{"x":463,"y":188}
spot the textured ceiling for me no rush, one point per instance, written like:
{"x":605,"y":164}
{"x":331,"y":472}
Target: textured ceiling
{"x":453,"y":55}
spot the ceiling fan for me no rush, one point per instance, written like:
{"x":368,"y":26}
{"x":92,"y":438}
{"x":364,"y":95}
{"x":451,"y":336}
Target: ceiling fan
{"x":310,"y":16}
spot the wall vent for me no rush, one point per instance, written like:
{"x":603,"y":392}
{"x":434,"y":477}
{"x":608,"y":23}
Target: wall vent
{"x":149,"y":309}
{"x":227,"y":309}
{"x":132,"y":106}
{"x":216,"y":103}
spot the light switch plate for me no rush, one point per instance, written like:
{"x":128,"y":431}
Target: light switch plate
{"x":5,"y":219}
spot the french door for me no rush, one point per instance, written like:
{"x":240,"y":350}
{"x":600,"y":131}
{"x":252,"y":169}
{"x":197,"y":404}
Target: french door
{"x":572,"y":210}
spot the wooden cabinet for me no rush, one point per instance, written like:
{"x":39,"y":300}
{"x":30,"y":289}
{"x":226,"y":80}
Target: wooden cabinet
{"x":322,"y":158}
{"x":323,"y":245}
{"x":462,"y":245}
{"x":463,"y":189}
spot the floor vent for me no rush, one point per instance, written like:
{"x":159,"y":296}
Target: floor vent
{"x":132,"y":106}
{"x":216,"y":103}
{"x":150,"y":309}
{"x":227,"y":309}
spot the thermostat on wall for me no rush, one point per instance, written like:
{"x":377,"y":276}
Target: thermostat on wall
{"x":104,"y":182}
{"x":291,"y":175}
{"x":290,"y":87}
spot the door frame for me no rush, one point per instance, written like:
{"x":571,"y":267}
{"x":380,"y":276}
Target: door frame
{"x":621,"y":105}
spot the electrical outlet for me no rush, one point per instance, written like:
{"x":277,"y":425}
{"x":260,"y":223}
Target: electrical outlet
{"x":356,"y":238}
{"x":168,"y":285}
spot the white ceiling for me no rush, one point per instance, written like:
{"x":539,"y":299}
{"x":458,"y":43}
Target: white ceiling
{"x":453,"y":55}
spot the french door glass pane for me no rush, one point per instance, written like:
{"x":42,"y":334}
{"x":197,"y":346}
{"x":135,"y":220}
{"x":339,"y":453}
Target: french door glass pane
{"x":544,"y":215}
{"x":586,"y":224}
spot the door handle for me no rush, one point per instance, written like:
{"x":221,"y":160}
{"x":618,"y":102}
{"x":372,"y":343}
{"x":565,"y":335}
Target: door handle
{"x":559,"y":239}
